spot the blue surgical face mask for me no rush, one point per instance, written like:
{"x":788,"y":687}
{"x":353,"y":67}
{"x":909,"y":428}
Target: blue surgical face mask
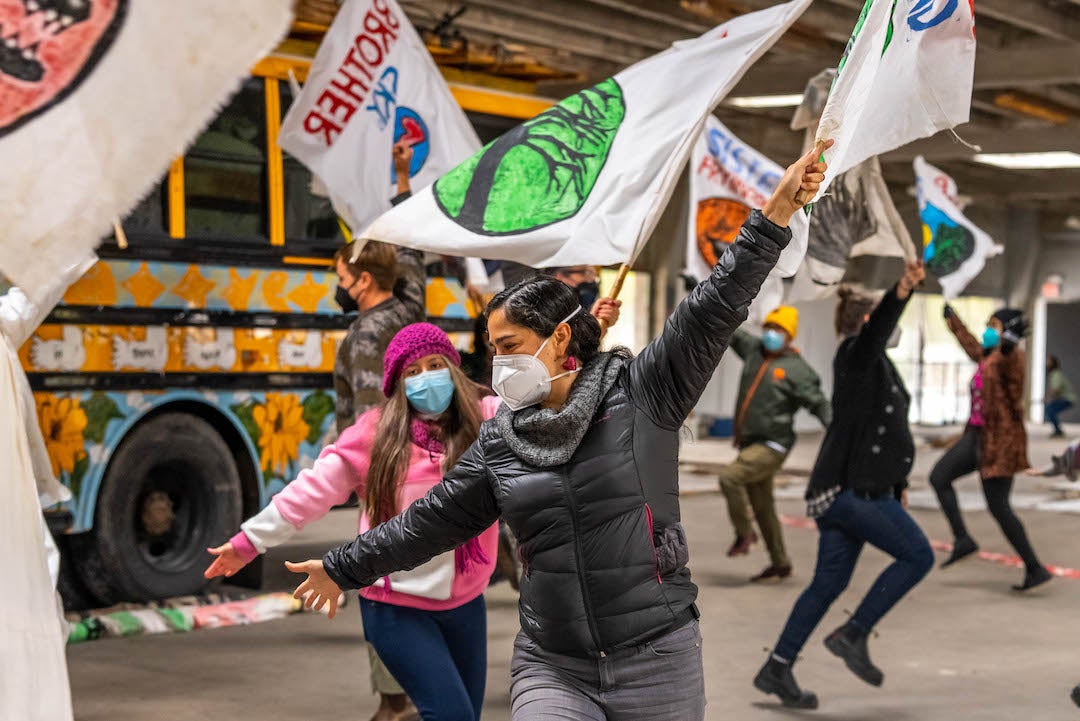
{"x":430,"y":393}
{"x":773,"y":340}
{"x":990,"y":338}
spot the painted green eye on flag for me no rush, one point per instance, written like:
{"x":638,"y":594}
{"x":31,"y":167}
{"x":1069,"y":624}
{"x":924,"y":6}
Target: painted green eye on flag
{"x":540,"y":172}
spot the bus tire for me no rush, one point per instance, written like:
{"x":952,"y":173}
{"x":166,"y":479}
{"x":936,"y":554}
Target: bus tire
{"x":171,"y":490}
{"x":70,"y":586}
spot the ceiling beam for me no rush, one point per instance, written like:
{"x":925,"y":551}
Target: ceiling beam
{"x":665,"y":12}
{"x":584,"y":19}
{"x":1054,"y":65}
{"x":1036,"y":17}
{"x":990,"y":140}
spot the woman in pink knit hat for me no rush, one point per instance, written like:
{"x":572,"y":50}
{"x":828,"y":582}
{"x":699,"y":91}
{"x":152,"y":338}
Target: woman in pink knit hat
{"x":428,"y":625}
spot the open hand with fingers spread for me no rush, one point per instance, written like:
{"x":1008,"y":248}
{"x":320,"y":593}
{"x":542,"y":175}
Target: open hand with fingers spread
{"x":807,"y":173}
{"x":318,"y":589}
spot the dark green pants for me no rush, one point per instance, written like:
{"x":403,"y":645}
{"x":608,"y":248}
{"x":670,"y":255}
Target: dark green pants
{"x":748,"y":484}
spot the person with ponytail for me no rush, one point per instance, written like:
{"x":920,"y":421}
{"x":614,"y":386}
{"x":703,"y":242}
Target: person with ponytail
{"x":581,"y":461}
{"x":994,"y":442}
{"x":427,"y":624}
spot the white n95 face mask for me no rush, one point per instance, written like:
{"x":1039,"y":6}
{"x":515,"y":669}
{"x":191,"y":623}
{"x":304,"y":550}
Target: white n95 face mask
{"x":522,"y":380}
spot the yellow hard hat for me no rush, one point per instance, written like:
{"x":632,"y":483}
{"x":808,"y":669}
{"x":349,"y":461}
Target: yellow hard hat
{"x":784,"y":317}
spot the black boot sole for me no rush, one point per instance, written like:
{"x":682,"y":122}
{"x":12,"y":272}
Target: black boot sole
{"x":1076,"y":695}
{"x":839,"y":648}
{"x":808,"y":701}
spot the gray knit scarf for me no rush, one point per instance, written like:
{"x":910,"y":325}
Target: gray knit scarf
{"x":546,"y":437}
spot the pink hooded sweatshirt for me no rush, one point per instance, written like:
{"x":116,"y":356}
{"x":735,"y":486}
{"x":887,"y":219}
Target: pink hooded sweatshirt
{"x":341,"y":469}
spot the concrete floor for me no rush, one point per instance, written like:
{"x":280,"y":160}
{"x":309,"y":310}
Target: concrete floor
{"x":962,"y":646}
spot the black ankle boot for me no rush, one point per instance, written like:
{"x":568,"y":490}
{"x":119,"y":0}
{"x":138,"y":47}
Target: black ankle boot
{"x":849,"y":643}
{"x":963,"y":547}
{"x":775,"y":677}
{"x":1034,"y":577}
{"x":1076,"y":695}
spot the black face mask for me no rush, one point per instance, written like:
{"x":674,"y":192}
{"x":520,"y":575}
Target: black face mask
{"x":587,"y":294}
{"x":346,"y":301}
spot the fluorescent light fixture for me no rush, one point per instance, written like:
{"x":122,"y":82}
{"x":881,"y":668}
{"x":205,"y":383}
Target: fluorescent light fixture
{"x":766,"y":101}
{"x":1030,"y":161}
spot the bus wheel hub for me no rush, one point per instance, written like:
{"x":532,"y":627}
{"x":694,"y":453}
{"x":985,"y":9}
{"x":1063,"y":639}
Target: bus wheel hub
{"x":158,"y":514}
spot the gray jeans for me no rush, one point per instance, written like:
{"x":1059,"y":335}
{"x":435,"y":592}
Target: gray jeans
{"x":661,"y":680}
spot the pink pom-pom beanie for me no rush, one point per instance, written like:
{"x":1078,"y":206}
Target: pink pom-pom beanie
{"x":412,"y":343}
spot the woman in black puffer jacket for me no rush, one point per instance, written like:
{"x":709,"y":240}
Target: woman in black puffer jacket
{"x":582,"y":464}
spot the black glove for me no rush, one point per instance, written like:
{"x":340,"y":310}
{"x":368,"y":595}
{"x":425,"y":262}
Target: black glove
{"x":949,"y":312}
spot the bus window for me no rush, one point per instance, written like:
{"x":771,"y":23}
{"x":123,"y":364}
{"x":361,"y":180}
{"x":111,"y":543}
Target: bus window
{"x":307,"y":216}
{"x":151,"y":216}
{"x":225,"y":180}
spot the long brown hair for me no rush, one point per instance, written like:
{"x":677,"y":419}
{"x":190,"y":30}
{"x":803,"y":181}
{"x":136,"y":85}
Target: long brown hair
{"x":391,"y":450}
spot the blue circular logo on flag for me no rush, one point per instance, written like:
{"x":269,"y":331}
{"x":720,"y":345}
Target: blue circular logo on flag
{"x":926,"y":14}
{"x":410,"y":127}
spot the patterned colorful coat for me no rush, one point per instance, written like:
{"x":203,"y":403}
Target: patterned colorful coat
{"x":1003,"y":442}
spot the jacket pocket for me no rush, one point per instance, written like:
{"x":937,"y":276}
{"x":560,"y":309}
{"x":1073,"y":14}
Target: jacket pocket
{"x":672,"y":552}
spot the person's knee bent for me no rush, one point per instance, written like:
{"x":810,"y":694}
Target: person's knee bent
{"x":939,"y":478}
{"x":922,"y":558}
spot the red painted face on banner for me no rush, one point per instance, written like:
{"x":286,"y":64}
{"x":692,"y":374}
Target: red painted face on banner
{"x":48,"y":47}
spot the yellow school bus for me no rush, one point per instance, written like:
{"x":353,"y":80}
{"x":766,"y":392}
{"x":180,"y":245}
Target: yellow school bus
{"x":187,"y":377}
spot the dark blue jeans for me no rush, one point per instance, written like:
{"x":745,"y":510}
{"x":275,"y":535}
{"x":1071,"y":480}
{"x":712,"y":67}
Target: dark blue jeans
{"x":1054,"y":409}
{"x":846,"y":527}
{"x":438,"y":657}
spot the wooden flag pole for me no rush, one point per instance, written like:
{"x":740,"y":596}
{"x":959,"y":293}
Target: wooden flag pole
{"x":121,"y":238}
{"x":804,"y":196}
{"x":613,"y":294}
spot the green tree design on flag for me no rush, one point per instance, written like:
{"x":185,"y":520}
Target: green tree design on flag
{"x":540,"y":172}
{"x":952,"y":245}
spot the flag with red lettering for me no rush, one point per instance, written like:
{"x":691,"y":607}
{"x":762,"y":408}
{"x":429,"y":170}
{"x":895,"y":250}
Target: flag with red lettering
{"x":97,"y":97}
{"x":728,"y":179}
{"x":585,"y":181}
{"x":373,"y":83}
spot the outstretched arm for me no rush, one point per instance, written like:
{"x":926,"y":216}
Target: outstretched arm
{"x":968,"y":342}
{"x":456,"y":510}
{"x":874,"y":336}
{"x":340,"y":469}
{"x":668,"y":377}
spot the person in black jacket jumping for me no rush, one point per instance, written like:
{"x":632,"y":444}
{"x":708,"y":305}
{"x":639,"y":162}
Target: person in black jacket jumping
{"x":857,"y":494}
{"x":582,"y":463}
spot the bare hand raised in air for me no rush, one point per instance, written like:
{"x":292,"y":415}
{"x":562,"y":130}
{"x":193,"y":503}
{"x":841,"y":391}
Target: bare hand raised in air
{"x":914,"y":273}
{"x":807,"y":173}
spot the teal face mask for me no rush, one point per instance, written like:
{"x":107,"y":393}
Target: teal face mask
{"x":773,"y":340}
{"x":430,"y":393}
{"x":990,"y":338}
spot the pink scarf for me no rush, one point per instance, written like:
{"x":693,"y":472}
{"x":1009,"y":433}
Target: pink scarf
{"x":425,"y":435}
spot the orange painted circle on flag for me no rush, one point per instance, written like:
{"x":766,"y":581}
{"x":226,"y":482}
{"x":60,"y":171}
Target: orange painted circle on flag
{"x":718,"y":223}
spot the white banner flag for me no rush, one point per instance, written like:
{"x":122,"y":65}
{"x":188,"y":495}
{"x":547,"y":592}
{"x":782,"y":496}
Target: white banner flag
{"x":728,"y":179}
{"x":373,"y":83}
{"x":906,"y":74}
{"x":96,"y":99}
{"x":955,"y":250}
{"x":856,"y":218}
{"x":586,"y":181}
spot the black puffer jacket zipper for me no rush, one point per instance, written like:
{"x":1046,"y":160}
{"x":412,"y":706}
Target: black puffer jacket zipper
{"x":580,"y":562}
